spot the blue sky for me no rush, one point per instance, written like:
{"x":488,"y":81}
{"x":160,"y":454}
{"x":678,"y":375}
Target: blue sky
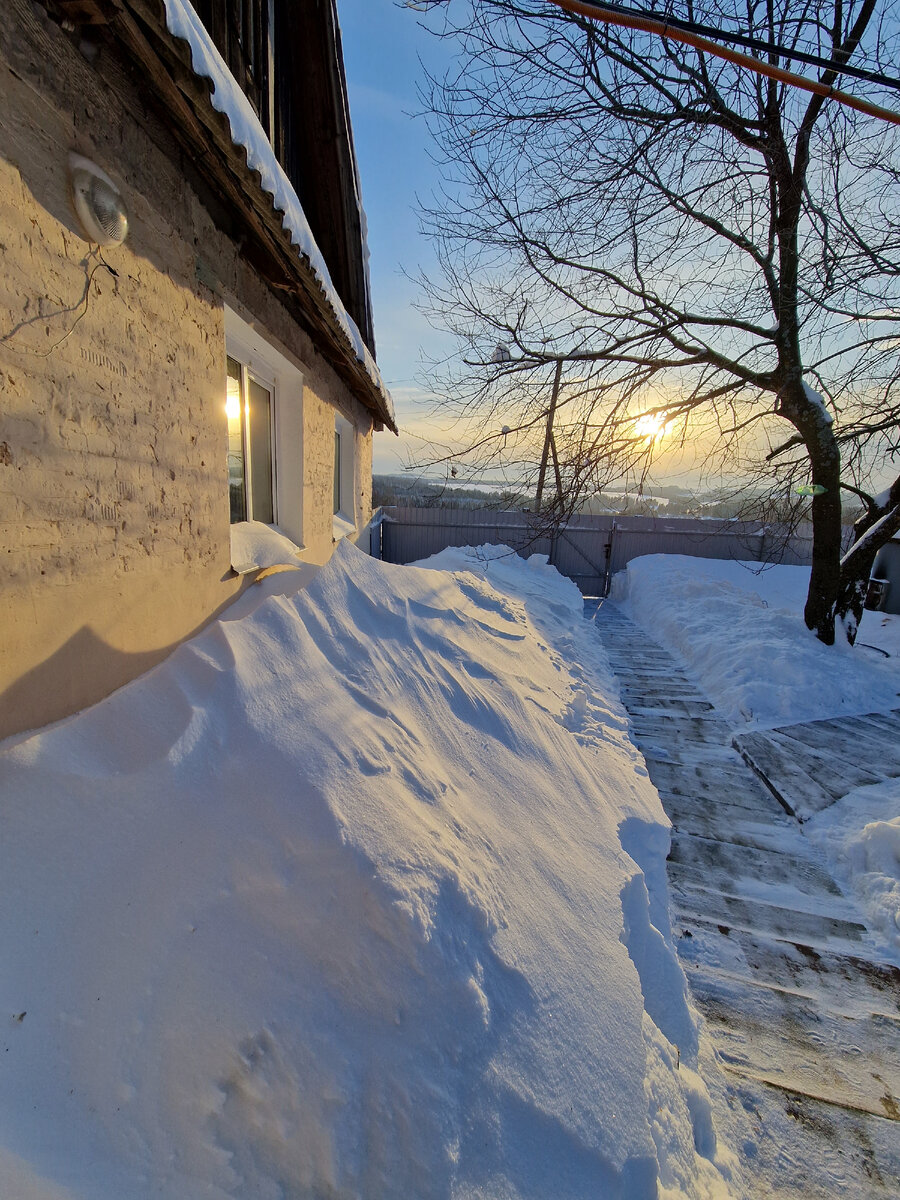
{"x":385,"y":54}
{"x":382,"y":48}
{"x":383,"y":45}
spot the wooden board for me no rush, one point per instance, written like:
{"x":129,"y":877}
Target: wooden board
{"x":845,"y":984}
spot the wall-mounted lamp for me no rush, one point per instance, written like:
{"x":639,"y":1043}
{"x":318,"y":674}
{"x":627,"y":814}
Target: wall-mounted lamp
{"x":97,"y":203}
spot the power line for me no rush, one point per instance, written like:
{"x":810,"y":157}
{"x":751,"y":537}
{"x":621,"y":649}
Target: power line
{"x":730,"y":37}
{"x":749,"y":42}
{"x":634,"y":19}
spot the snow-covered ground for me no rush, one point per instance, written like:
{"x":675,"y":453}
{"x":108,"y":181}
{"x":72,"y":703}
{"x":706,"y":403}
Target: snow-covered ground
{"x":860,"y":836}
{"x":739,"y":629}
{"x":359,"y":894}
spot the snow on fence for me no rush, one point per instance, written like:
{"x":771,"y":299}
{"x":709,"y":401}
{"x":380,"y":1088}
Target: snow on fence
{"x":589,"y":549}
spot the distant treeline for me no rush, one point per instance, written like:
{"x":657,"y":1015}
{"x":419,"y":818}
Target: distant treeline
{"x":669,"y":501}
{"x":428,"y":493}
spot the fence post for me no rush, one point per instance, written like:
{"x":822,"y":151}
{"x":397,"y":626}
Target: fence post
{"x":607,"y":578}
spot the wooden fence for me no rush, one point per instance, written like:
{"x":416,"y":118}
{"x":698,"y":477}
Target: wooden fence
{"x":588,"y":549}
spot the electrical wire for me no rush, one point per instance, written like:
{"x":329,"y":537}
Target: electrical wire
{"x":752,"y":43}
{"x":666,"y":29}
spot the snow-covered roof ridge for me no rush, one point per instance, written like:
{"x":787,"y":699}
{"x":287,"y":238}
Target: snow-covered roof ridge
{"x":247,"y":132}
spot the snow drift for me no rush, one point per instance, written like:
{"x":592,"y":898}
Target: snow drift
{"x":336,"y":902}
{"x":860,"y":836}
{"x":255,"y":545}
{"x":739,"y":627}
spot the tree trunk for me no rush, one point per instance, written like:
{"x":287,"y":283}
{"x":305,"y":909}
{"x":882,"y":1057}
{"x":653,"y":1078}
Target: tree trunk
{"x":825,"y":576}
{"x":815,"y":427}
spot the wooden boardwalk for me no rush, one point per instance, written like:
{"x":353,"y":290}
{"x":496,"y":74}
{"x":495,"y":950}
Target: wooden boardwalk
{"x":809,"y":766}
{"x":803,"y":1014}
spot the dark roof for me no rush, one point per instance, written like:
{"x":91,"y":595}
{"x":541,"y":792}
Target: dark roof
{"x":318,"y":158}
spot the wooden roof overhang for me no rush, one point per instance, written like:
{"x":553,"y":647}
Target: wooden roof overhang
{"x":184,"y":97}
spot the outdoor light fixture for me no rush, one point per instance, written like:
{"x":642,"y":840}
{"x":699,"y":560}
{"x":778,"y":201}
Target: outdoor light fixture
{"x":97,"y":203}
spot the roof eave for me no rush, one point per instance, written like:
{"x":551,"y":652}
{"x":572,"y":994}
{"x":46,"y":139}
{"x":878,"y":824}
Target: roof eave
{"x":141,"y":28}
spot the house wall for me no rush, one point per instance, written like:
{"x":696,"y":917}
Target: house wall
{"x":887,"y":567}
{"x":114,"y":520}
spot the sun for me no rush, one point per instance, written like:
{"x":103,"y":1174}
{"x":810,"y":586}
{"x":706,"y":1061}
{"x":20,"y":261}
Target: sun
{"x":651,"y":426}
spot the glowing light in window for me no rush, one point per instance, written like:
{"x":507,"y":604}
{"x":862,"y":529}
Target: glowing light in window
{"x":233,"y":400}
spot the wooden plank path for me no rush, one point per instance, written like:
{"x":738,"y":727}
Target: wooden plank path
{"x":807,"y":767}
{"x":801,"y":1009}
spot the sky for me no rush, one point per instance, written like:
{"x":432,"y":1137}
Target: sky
{"x":384,"y":51}
{"x":386,"y":54}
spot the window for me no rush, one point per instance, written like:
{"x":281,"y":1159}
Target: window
{"x":337,"y":470}
{"x":343,"y":500}
{"x":264,"y":410}
{"x":250,"y":478}
{"x":242,"y":31}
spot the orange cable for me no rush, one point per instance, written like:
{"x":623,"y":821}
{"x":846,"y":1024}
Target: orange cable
{"x":663,"y":29}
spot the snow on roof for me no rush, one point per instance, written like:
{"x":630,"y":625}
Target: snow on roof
{"x":246,"y":131}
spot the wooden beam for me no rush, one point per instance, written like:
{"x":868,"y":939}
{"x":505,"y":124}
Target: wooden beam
{"x":84,"y":12}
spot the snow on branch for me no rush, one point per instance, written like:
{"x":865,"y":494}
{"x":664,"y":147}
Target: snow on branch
{"x":878,"y":533}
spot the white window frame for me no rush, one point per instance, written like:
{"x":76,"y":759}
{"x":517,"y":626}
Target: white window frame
{"x":267,"y":380}
{"x":344,"y":517}
{"x":262,"y":361}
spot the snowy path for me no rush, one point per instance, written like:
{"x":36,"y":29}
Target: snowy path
{"x":799,"y":1006}
{"x":811,"y":766}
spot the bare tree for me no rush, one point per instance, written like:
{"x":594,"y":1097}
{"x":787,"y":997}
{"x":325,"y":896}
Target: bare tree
{"x":665,"y":235}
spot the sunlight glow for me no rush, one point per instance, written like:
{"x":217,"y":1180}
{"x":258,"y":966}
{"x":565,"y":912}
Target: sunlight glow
{"x":651,"y":426}
{"x":233,"y":401}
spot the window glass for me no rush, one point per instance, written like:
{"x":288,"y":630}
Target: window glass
{"x":337,"y":470}
{"x":234,"y":409}
{"x":259,"y":425}
{"x":271,"y":391}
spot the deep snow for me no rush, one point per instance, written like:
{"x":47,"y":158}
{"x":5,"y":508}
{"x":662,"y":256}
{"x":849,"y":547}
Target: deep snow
{"x":860,"y":836}
{"x":739,"y":629}
{"x":254,"y":545}
{"x":360,"y":893}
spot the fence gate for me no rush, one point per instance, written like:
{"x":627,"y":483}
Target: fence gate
{"x":589,"y":550}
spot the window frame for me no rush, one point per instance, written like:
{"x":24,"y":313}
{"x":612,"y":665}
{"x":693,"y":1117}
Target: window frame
{"x":267,"y":381}
{"x":344,"y":517}
{"x":283,"y":379}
